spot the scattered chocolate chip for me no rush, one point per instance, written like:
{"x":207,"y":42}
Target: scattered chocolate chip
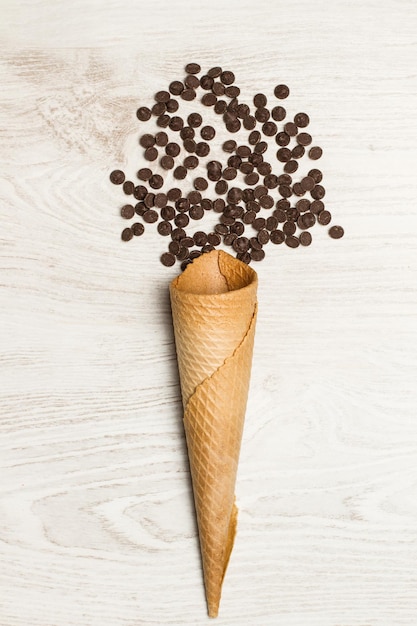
{"x":176,"y":87}
{"x":144,"y":173}
{"x":143,"y":114}
{"x":324,"y":217}
{"x":207,"y":133}
{"x":127,"y":234}
{"x":281,"y":92}
{"x":305,"y":238}
{"x":335,"y":232}
{"x":117,"y":177}
{"x":315,"y":153}
{"x":167,"y":259}
{"x":180,"y":172}
{"x":192,"y":68}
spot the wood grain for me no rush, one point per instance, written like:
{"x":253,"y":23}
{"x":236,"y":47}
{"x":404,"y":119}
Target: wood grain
{"x":96,"y":516}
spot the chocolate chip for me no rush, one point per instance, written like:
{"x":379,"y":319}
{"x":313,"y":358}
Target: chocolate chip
{"x":218,"y":89}
{"x":269,"y":129}
{"x":246,"y":167}
{"x":263,"y":236}
{"x":229,"y":173}
{"x":271,"y":181}
{"x":324,"y":217}
{"x":181,"y":220}
{"x":291,"y":129}
{"x":200,"y":238}
{"x":297,"y":189}
{"x":196,"y":212}
{"x":187,"y":133}
{"x":140,"y":192}
{"x":209,"y":99}
{"x":336,"y":232}
{"x":227,"y":77}
{"x":233,"y":126}
{"x":252,"y":179}
{"x":150,"y":216}
{"x":160,"y":200}
{"x":304,"y":139}
{"x":316,"y":175}
{"x":167,"y":259}
{"x":178,"y":234}
{"x":191,"y":81}
{"x":189,"y":145}
{"x":238,"y":228}
{"x":127,"y":211}
{"x":292,"y":241}
{"x":290,"y":167}
{"x":220,"y":107}
{"x":188,"y":94}
{"x":283,"y":154}
{"x":143,"y":114}
{"x":316,"y":206}
{"x":265,"y":168}
{"x":167,"y":162}
{"x":282,"y":139}
{"x":307,"y":183}
{"x":174,"y":194}
{"x":241,"y":244}
{"x":147,"y":140}
{"x":127,"y":234}
{"x":262,"y":115}
{"x":280,"y":215}
{"x":318,"y":192}
{"x":254,"y":137}
{"x":180,"y":172}
{"x":172,"y":149}
{"x":164,"y":228}
{"x":302,"y":120}
{"x":298,"y":151}
{"x":138,"y":229}
{"x":260,"y":100}
{"x":234,"y":161}
{"x":221,"y":187}
{"x":305,"y":238}
{"x":289,"y":228}
{"x":202,"y":149}
{"x":266,"y":201}
{"x":176,"y":87}
{"x":278,"y":113}
{"x":207,"y":133}
{"x":187,"y":242}
{"x":281,"y":92}
{"x":163,"y":121}
{"x":261,"y":147}
{"x":159,"y":108}
{"x":151,"y":154}
{"x":194,"y":120}
{"x":144,"y":173}
{"x":257,"y":255}
{"x":277,"y":236}
{"x":183,"y":253}
{"x":215,"y":72}
{"x":128,"y":187}
{"x":149,"y":200}
{"x":200,"y":184}
{"x":249,"y":122}
{"x":234,"y":196}
{"x":315,"y":153}
{"x":192,"y":68}
{"x":229,"y":145}
{"x":156,"y":181}
{"x":176,"y":123}
{"x":191,"y":162}
{"x":221,"y":229}
{"x":206,"y":82}
{"x":168,"y":213}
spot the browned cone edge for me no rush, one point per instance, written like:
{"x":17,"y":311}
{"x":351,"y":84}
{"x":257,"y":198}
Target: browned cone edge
{"x":214,"y":310}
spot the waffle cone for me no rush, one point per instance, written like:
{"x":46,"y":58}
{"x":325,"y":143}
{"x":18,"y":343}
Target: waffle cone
{"x":214,"y":314}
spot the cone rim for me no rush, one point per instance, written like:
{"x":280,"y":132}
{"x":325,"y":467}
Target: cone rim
{"x":252,"y":277}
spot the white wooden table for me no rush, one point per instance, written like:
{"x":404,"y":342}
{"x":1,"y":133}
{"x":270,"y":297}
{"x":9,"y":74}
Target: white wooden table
{"x":96,"y":517}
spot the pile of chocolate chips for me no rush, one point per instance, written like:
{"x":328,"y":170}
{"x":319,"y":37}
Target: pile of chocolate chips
{"x":274,"y":207}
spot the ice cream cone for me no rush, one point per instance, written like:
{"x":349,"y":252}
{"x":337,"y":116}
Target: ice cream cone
{"x":214,"y":314}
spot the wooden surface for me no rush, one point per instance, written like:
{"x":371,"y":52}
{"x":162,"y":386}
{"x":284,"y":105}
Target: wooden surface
{"x":96,"y":517}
